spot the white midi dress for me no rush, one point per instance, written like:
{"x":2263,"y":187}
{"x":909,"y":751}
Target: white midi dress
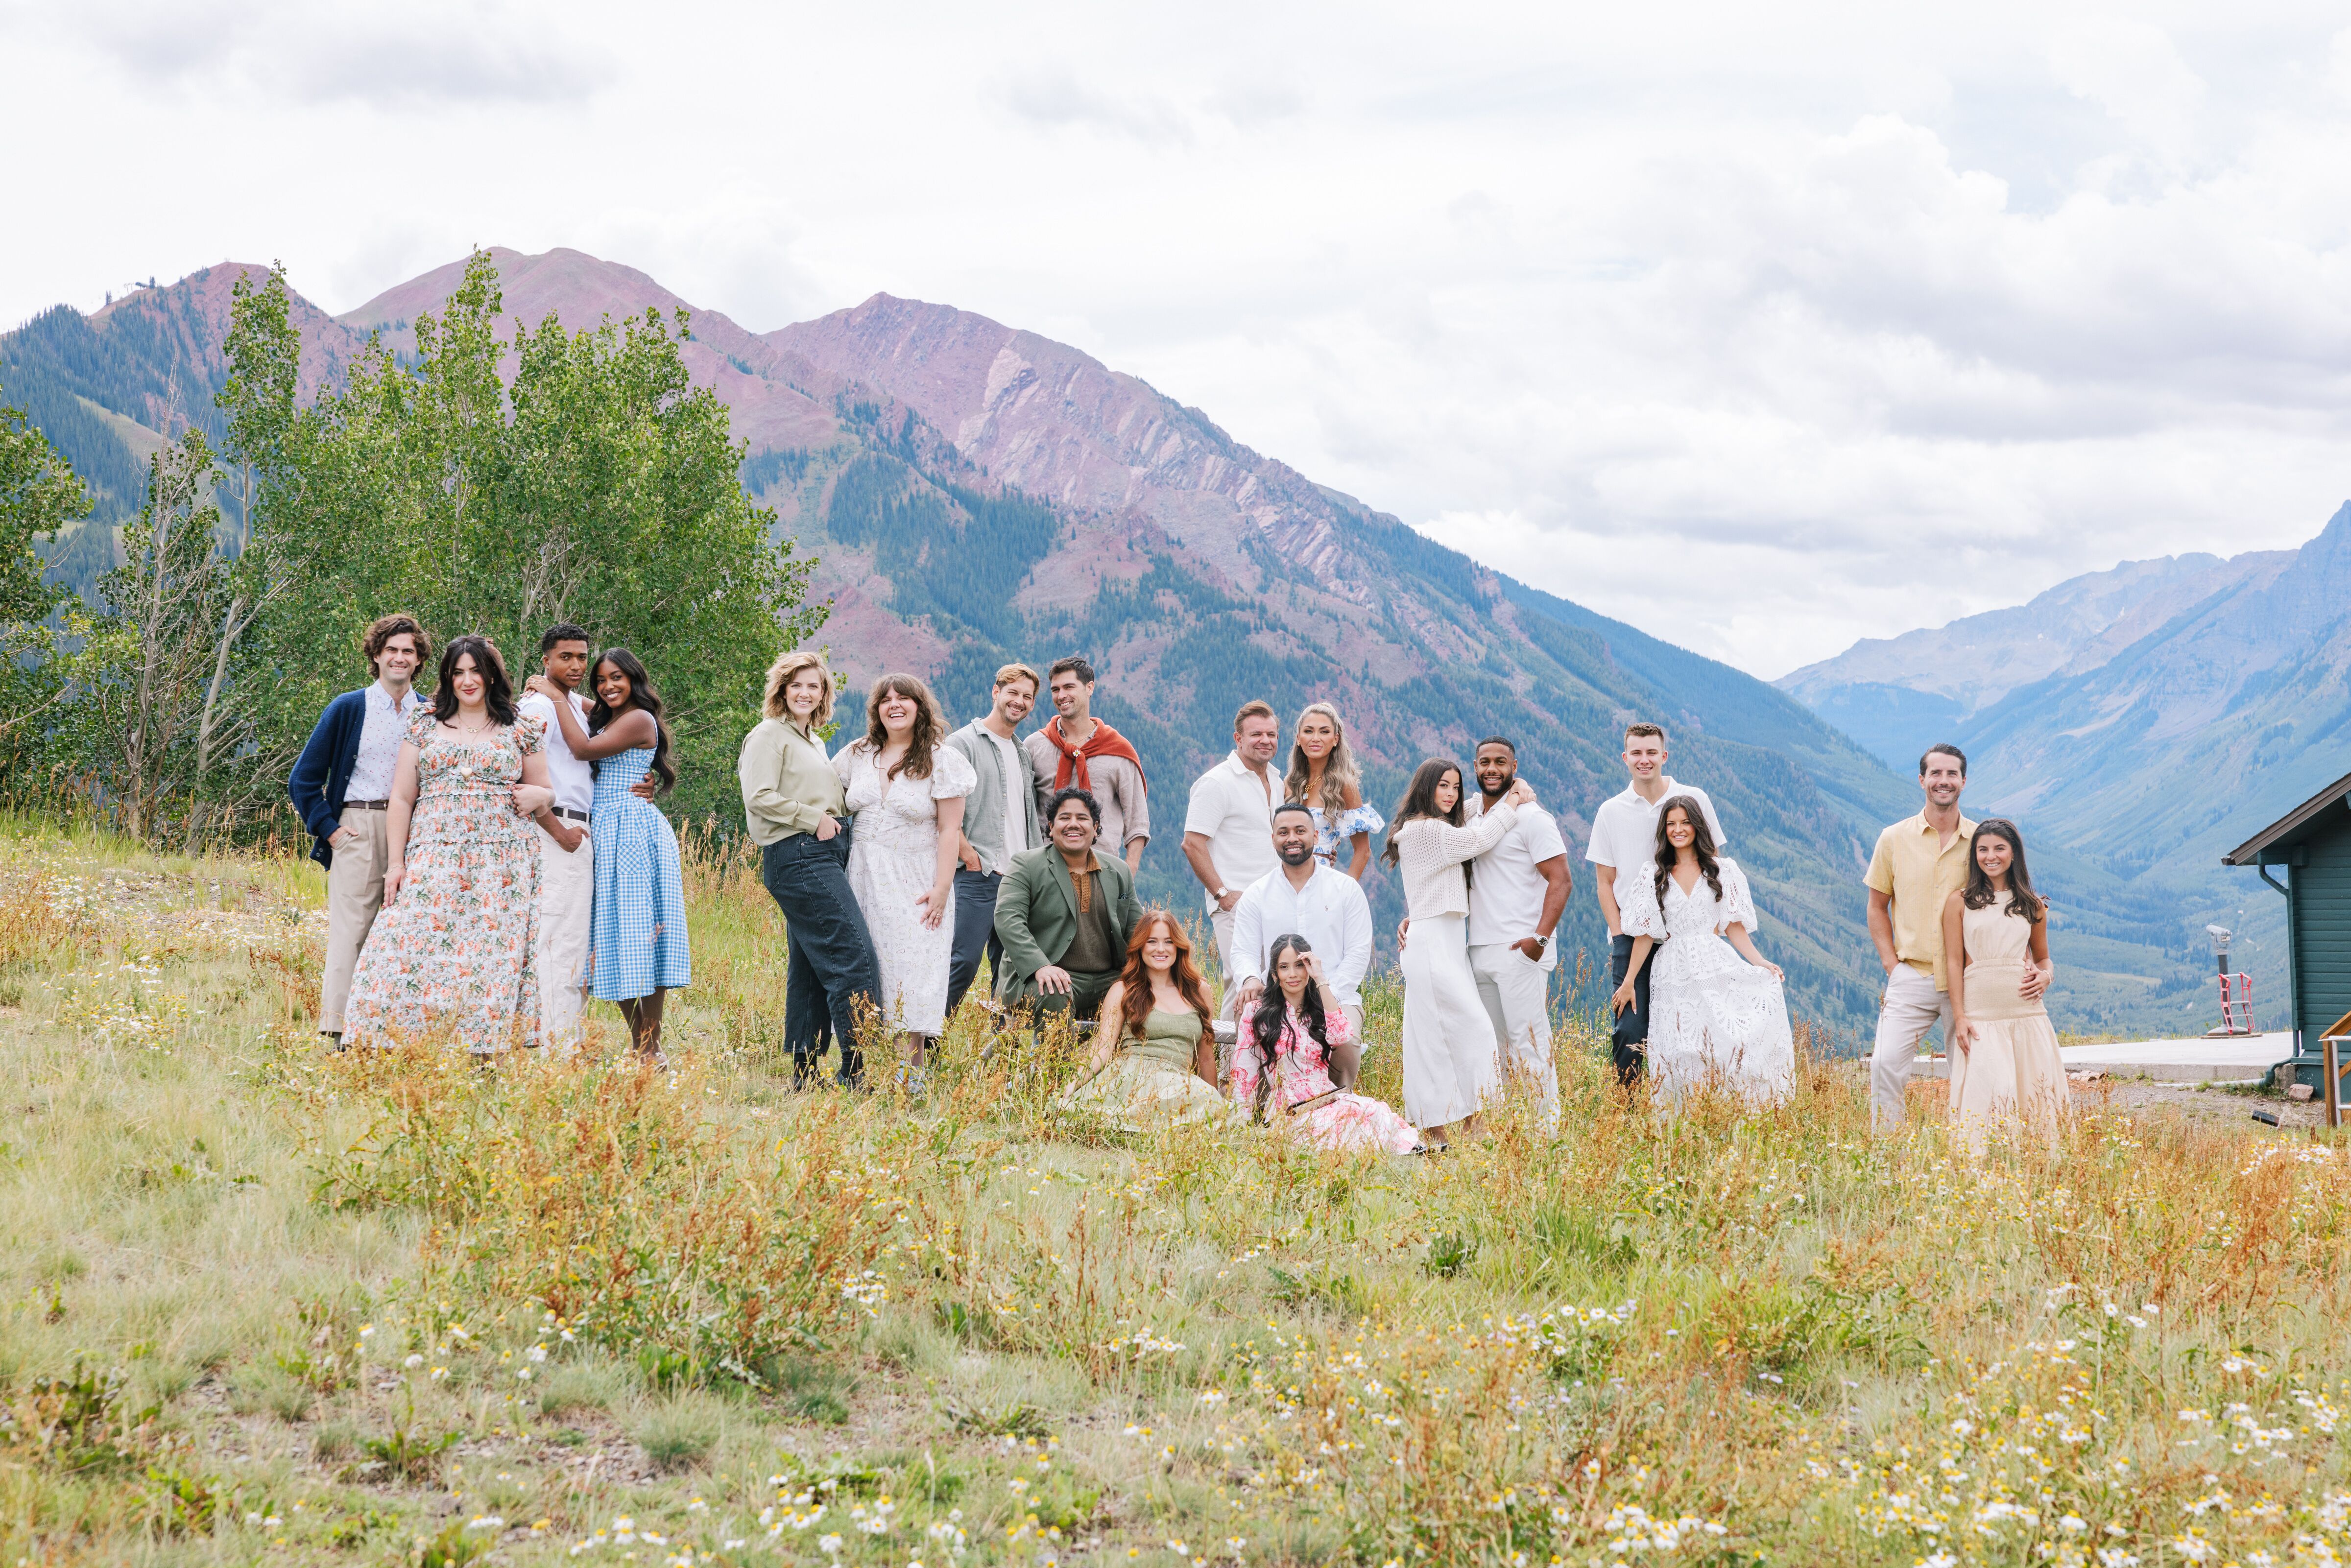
{"x":1451,"y":1067}
{"x":893,"y":853}
{"x":1714,"y":1017}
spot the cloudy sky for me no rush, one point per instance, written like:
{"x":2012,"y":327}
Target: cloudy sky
{"x":1762,"y":328}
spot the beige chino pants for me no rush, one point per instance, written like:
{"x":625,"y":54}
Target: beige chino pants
{"x":1911,"y":1007}
{"x":567,"y":900}
{"x":354,"y":897}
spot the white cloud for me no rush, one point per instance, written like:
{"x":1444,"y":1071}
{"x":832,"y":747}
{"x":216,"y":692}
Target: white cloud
{"x":1763,"y":331}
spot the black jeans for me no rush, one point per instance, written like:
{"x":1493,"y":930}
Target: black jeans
{"x":828,"y":951}
{"x":975,"y":933}
{"x":1632,"y":1026}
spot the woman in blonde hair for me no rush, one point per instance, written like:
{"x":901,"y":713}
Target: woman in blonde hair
{"x":905,"y":787}
{"x":793,"y":805}
{"x":1324,"y":778}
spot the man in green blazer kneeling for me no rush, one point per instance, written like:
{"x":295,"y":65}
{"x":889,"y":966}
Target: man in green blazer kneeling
{"x":1064,"y":914}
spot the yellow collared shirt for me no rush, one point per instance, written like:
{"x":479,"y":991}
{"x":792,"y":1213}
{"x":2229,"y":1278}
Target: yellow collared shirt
{"x":1920,"y":872}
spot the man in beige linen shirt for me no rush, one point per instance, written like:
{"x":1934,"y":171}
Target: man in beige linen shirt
{"x":1918,"y":863}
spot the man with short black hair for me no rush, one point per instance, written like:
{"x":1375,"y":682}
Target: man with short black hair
{"x":1624,"y":839}
{"x":341,"y":786}
{"x":1918,"y":863}
{"x":567,"y":854}
{"x":1065,"y":915}
{"x":1228,"y":824}
{"x":1303,"y":898}
{"x":1076,"y":749}
{"x":1518,"y":890}
{"x":999,"y":822}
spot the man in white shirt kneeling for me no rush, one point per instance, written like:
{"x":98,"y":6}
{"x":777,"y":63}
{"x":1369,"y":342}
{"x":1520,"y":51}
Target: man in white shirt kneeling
{"x":1303,"y":897}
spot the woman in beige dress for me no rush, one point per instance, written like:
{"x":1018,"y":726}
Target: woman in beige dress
{"x":2004,"y":1064}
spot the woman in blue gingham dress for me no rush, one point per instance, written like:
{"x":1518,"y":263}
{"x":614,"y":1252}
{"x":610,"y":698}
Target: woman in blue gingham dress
{"x":637,"y":944}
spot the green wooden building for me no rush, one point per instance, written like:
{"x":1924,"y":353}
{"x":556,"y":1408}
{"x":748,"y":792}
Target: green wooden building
{"x":2311,"y":846}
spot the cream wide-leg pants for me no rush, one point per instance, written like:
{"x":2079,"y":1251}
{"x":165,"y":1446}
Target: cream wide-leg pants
{"x":354,"y":898}
{"x":1451,"y":1064}
{"x":567,"y":903}
{"x":1517,"y":993}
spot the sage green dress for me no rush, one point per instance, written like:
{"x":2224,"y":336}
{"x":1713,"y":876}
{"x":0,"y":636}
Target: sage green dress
{"x":1150,"y":1079}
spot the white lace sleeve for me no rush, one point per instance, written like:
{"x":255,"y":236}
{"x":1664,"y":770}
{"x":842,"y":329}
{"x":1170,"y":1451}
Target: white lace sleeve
{"x":951,"y":774}
{"x":1738,"y":898}
{"x":1637,"y":901}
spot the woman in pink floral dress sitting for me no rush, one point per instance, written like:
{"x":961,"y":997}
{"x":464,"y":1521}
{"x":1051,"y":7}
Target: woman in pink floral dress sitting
{"x":1296,"y":1049}
{"x":454,"y":948}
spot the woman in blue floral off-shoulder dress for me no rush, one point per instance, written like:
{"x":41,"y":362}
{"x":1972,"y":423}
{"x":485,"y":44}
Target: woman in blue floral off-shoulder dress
{"x":637,"y":942}
{"x":1323,"y":777}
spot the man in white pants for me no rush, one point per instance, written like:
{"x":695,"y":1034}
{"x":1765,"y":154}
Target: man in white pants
{"x":1228,"y":825}
{"x":1518,"y":890}
{"x":567,"y":855}
{"x":1918,"y":863}
{"x":1303,"y":897}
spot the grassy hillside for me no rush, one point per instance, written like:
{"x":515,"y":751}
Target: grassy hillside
{"x":270,"y":1306}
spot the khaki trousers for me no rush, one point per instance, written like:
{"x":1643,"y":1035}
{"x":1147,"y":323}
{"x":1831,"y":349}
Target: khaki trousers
{"x":354,"y":895}
{"x":1911,"y":1007}
{"x":1221,"y":921}
{"x":567,"y":901}
{"x":1517,"y":993}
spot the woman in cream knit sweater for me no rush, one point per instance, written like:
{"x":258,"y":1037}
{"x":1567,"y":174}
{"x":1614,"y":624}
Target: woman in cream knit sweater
{"x":1449,"y":1062}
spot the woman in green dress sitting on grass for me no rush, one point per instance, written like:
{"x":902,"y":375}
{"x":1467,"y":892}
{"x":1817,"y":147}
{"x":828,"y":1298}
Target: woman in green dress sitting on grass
{"x":1154,"y":1057}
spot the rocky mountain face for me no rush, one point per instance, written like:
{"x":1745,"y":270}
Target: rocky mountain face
{"x":2179,"y":706}
{"x":974,"y":494}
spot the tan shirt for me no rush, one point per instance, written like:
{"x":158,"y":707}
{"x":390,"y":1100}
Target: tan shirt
{"x":1920,"y":872}
{"x":789,"y":784}
{"x":1118,"y":791}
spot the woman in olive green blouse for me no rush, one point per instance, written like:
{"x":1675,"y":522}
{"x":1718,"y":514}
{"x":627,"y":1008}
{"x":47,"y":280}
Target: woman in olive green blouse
{"x":1155,"y":1059}
{"x":792,"y":804}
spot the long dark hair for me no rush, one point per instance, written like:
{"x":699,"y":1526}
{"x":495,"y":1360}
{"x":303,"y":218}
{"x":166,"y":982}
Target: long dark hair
{"x":642,"y":696}
{"x":930,"y":726}
{"x":1272,"y":1014}
{"x":497,"y":692}
{"x":1420,"y":801}
{"x":1701,"y":846}
{"x":1135,"y":1006}
{"x":1980,"y":893}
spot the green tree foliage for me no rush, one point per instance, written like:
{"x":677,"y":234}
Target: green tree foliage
{"x":39,"y":496}
{"x":598,"y":486}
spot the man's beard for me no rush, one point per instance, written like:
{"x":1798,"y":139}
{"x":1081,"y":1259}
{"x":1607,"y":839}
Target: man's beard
{"x":1298,"y":855}
{"x":1496,"y":791}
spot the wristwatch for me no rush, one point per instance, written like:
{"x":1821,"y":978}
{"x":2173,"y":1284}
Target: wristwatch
{"x":1543,"y":941}
{"x":1219,"y":895}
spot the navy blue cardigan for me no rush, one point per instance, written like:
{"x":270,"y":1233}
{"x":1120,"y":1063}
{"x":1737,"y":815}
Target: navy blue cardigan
{"x":324,"y":769}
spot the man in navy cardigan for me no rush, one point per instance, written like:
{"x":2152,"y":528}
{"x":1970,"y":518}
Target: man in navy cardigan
{"x":341,"y":784}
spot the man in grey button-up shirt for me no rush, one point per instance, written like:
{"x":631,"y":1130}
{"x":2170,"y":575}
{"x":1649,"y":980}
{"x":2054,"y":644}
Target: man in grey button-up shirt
{"x":1000,"y":822}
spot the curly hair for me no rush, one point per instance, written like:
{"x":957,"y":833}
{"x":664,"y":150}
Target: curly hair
{"x":1340,"y":771}
{"x":640,"y":695}
{"x":497,"y":691}
{"x":1271,"y":1016}
{"x":930,"y":726}
{"x":780,"y":675}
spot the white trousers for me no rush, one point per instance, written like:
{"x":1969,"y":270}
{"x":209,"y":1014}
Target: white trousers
{"x":1517,"y":993}
{"x":566,"y":904}
{"x":1911,"y":1007}
{"x":354,"y":897}
{"x":1451,"y":1063}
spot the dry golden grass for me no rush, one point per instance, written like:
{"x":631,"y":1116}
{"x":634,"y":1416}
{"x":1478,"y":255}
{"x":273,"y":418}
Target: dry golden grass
{"x":267,"y":1305}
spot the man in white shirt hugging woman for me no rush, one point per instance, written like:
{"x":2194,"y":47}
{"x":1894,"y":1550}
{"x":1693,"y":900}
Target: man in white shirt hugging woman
{"x":1303,"y":898}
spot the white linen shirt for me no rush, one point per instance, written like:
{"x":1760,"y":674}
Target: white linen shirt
{"x":380,"y":733}
{"x":574,"y":780}
{"x":1624,"y":829}
{"x":1506,"y":892}
{"x":1235,"y":810}
{"x":1014,"y":764}
{"x":1331,"y":912}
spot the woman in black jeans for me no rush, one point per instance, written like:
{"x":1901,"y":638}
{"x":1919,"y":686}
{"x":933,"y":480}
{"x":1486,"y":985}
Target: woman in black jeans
{"x":792,"y":803}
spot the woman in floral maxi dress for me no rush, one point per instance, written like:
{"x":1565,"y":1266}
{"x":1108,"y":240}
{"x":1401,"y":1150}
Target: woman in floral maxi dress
{"x":454,"y":947}
{"x":1296,"y":1048}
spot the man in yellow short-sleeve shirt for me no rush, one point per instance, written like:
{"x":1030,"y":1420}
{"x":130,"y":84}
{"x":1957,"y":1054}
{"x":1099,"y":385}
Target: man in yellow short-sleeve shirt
{"x":1918,"y":863}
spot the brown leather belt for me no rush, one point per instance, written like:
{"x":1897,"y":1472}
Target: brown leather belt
{"x":367,"y":805}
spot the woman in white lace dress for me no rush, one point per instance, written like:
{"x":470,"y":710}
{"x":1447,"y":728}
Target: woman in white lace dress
{"x":1716,"y":1012}
{"x":905,"y":791}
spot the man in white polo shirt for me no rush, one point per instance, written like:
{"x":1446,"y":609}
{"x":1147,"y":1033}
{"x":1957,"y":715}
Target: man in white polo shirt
{"x":1228,"y":824}
{"x":567,"y":856}
{"x":1303,"y":897}
{"x":1624,"y":839}
{"x":1518,"y":890}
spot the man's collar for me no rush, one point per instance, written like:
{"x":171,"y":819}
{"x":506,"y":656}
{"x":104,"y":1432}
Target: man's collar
{"x":1093,"y":860}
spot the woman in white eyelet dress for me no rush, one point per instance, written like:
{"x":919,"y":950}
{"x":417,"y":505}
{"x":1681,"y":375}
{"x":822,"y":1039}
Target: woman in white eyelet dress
{"x":1717,"y":1012}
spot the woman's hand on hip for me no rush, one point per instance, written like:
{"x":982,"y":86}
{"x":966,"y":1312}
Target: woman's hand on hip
{"x":826,"y":828}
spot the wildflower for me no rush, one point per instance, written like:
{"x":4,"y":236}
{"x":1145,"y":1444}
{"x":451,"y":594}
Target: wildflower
{"x":486,"y":1522}
{"x":413,"y":1361}
{"x":830,"y":1545}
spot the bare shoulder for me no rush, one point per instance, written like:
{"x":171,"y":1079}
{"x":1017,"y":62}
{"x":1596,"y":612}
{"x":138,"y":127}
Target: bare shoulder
{"x":1350,"y":797}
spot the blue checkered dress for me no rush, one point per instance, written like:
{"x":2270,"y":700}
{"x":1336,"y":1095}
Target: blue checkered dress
{"x":639,"y":943}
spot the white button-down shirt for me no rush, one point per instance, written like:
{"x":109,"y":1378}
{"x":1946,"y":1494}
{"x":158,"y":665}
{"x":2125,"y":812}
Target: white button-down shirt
{"x":1234,"y":808}
{"x":574,"y":780}
{"x":1330,"y":912}
{"x":377,"y":762}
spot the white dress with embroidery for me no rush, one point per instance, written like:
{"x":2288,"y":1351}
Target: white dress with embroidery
{"x":894,"y":853}
{"x":1713,"y":1017}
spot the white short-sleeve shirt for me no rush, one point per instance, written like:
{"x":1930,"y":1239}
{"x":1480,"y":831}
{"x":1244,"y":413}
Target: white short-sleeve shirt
{"x":1506,"y":892}
{"x":574,"y":780}
{"x":1624,"y":829}
{"x":1234,"y":808}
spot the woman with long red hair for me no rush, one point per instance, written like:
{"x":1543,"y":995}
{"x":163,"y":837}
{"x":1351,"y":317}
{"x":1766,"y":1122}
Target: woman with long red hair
{"x":1155,"y":1058}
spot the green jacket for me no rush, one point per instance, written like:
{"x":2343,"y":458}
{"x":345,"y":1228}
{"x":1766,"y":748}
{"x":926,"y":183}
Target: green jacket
{"x":1037,"y":914}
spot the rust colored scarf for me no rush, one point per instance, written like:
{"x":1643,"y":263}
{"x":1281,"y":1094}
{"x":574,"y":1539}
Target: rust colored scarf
{"x":1103,"y":742}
